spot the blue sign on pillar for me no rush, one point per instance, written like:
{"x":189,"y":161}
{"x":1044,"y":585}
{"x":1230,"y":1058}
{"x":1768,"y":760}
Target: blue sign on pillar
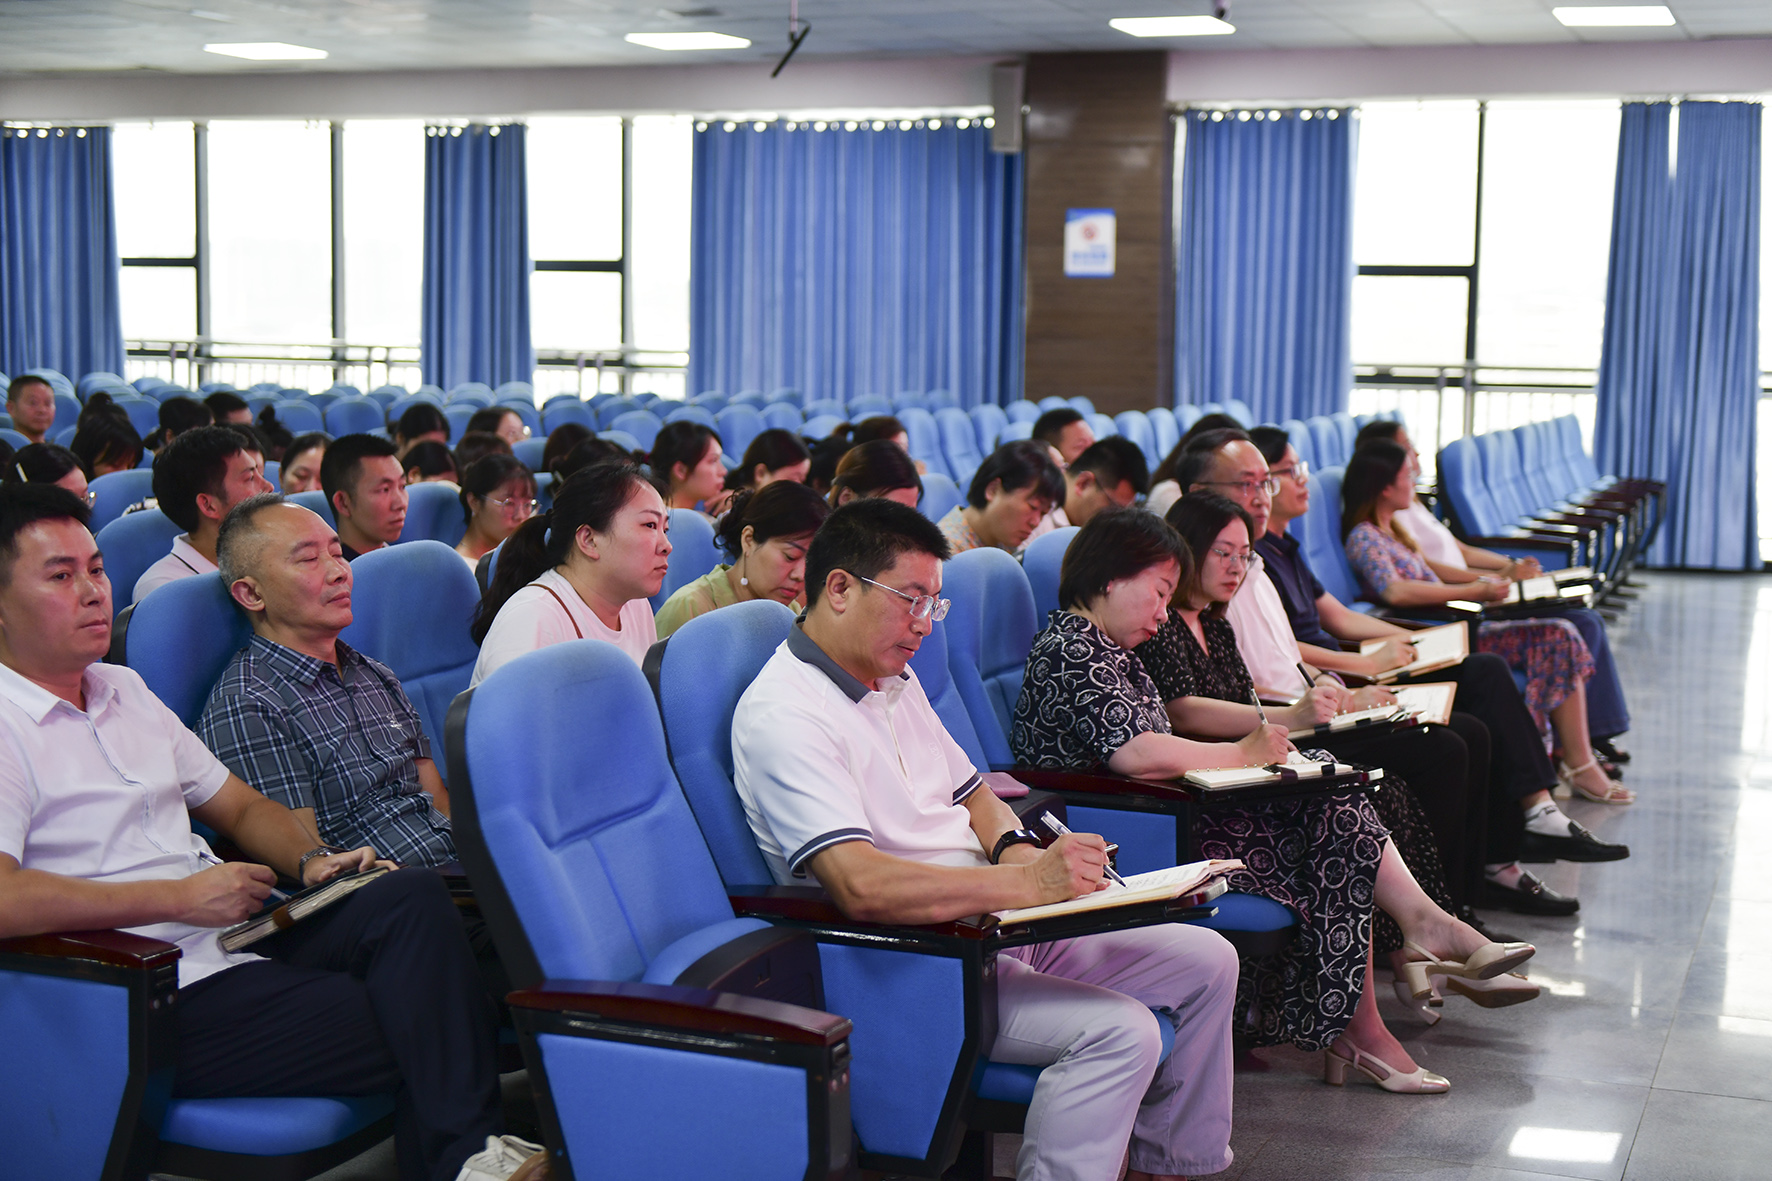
{"x":1089,"y":243}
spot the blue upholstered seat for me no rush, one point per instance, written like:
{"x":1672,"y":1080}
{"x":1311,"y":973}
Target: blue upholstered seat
{"x":354,"y":416}
{"x":434,"y":513}
{"x":1041,"y":561}
{"x":181,"y":638}
{"x":940,"y":494}
{"x":113,"y":493}
{"x":130,"y":545}
{"x":694,"y":552}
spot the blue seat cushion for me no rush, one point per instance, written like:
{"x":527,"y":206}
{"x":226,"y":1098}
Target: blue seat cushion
{"x":1248,"y":912}
{"x":1006,"y":1082}
{"x":271,"y":1127}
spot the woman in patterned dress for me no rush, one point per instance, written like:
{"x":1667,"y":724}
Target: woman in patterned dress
{"x":1550,"y":652}
{"x":1087,"y":701}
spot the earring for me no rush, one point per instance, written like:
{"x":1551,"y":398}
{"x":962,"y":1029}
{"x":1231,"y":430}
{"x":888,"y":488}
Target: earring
{"x":743,"y":566}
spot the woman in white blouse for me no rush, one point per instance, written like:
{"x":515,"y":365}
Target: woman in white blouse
{"x":582,"y":570}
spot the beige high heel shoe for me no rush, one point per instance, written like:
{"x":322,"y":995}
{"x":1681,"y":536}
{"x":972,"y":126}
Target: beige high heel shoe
{"x":1426,"y":1007}
{"x":1419,"y":1081}
{"x":1509,"y":988}
{"x":1489,"y":960}
{"x":1615,"y":793}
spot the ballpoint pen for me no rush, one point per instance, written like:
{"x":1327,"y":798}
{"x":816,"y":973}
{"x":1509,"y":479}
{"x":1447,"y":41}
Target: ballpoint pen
{"x":1061,"y":829}
{"x":212,"y":859}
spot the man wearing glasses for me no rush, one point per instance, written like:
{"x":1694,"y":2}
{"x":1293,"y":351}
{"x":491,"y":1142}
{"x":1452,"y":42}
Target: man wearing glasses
{"x":848,"y":776}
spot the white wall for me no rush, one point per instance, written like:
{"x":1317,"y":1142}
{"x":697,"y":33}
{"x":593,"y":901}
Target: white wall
{"x":99,"y":97}
{"x":1609,"y":70}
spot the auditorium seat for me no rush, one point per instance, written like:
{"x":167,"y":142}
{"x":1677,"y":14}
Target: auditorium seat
{"x":316,"y":502}
{"x":529,"y":452}
{"x":699,"y":414}
{"x":1101,"y":425}
{"x":751,"y":398}
{"x":130,"y":545}
{"x":1479,"y":521}
{"x":180,"y":639}
{"x":642,"y":424}
{"x":606,"y":902}
{"x":299,"y":417}
{"x":1326,"y":442}
{"x":611,"y":409}
{"x":1015,"y":431}
{"x":959,"y":443}
{"x":1135,"y":426}
{"x":910,"y":400}
{"x":784,"y":394}
{"x":738,"y":424}
{"x":324,"y":399}
{"x":386,"y":395}
{"x":621,"y":439}
{"x":694,"y":552}
{"x":113,"y":493}
{"x":782,"y":415}
{"x":1054,"y":402}
{"x":941,"y":400}
{"x":458,"y":415}
{"x":1166,"y":430}
{"x":98,"y":380}
{"x":1041,"y":562}
{"x":1319,"y":534}
{"x":988,"y":421}
{"x":868,"y":406}
{"x":1239,"y":410}
{"x":12,"y":438}
{"x":1299,"y":436}
{"x":924,"y":438}
{"x":433,"y":513}
{"x":144,"y":414}
{"x":422,"y":638}
{"x":713,"y":401}
{"x":557,"y":413}
{"x":940,"y":495}
{"x":821,"y":426}
{"x":354,"y":416}
{"x":1021,"y":410}
{"x":507,"y":390}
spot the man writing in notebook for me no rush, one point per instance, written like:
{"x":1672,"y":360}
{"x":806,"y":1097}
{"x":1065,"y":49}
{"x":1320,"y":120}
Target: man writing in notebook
{"x":99,"y":784}
{"x":848,"y":776}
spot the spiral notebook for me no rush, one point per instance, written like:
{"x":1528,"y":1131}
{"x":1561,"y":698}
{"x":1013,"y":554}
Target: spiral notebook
{"x":1140,"y":887}
{"x":1435,"y":648}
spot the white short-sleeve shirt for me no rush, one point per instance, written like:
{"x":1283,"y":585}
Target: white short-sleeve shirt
{"x":183,"y":562}
{"x":103,"y":794}
{"x":1264,"y":635}
{"x":532,"y":618}
{"x":820,"y":759}
{"x":1436,"y":541}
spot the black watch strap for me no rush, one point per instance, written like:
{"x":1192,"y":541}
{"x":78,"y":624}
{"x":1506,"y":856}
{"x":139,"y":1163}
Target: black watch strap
{"x":1015,"y":836}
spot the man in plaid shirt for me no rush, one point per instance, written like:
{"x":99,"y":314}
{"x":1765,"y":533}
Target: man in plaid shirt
{"x":313,"y":724}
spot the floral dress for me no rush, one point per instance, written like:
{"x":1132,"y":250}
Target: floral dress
{"x":1550,"y":653}
{"x":1083,"y":697}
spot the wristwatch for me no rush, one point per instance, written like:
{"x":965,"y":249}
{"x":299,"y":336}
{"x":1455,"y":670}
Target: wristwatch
{"x":1015,"y":836}
{"x":301,"y":867}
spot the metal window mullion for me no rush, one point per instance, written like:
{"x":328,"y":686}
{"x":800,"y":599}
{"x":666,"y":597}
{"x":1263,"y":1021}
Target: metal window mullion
{"x":627,"y":244}
{"x":336,"y":137}
{"x":200,"y":219}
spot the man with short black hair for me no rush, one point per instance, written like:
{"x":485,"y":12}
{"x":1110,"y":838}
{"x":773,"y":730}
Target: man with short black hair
{"x":366,"y":490}
{"x":1112,"y":473}
{"x":228,"y":408}
{"x":198,"y":477}
{"x":99,"y":784}
{"x":1066,"y":431}
{"x":847,"y":774}
{"x":30,"y":400}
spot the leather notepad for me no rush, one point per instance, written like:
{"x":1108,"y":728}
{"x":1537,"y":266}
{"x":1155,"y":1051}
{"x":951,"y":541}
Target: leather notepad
{"x":1435,"y":648}
{"x":1140,"y":887}
{"x":295,"y":908}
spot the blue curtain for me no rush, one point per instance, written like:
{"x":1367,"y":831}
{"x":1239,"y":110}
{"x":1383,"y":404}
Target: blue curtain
{"x":476,"y":288}
{"x":1265,"y":274}
{"x":1679,"y":369}
{"x":844,"y":263}
{"x":59,"y":305}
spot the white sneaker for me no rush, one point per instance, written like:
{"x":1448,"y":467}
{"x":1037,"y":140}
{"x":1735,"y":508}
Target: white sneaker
{"x":501,"y":1159}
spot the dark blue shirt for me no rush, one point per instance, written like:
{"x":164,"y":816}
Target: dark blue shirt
{"x":1282,"y":557}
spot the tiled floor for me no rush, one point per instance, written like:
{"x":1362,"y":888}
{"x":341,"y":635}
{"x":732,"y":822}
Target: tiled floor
{"x":1649,"y":1058}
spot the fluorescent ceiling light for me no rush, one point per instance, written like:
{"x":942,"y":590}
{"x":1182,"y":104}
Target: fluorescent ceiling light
{"x":1614,"y":15}
{"x":1172,"y":26}
{"x":687,"y":41}
{"x":266,"y":51}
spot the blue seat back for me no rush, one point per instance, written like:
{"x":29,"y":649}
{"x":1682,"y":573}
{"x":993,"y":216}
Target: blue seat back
{"x":699,"y":414}
{"x":869,"y":406}
{"x":751,"y":398}
{"x":1056,"y":402}
{"x":959,"y":443}
{"x":1166,"y":430}
{"x":831,"y":406}
{"x":98,"y":380}
{"x":1299,"y":436}
{"x":1348,"y":432}
{"x":738,"y":424}
{"x":1326,"y":442}
{"x":315,"y":501}
{"x":910,"y":399}
{"x":713,"y":401}
{"x":700,"y":671}
{"x":1319,"y":533}
{"x":1501,"y":473}
{"x":423,"y":638}
{"x":990,"y":629}
{"x":144,"y":415}
{"x":434,"y":513}
{"x":1015,"y":431}
{"x":1101,"y":426}
{"x":642,"y":424}
{"x":988,"y":421}
{"x":931,"y":666}
{"x":131,"y":544}
{"x":324,"y":399}
{"x":783,"y":416}
{"x":458,"y":415}
{"x":1042,"y":562}
{"x":924,"y":438}
{"x":1239,"y":410}
{"x":1569,"y":431}
{"x":386,"y":395}
{"x":557,"y":414}
{"x":1135,"y":426}
{"x":1185,"y":417}
{"x":1535,"y":467}
{"x":300,"y":417}
{"x":572,"y":797}
{"x":529,"y":452}
{"x":113,"y":493}
{"x":475,"y":393}
{"x":783,"y":394}
{"x":694,"y":552}
{"x":821,"y":426}
{"x":13,"y":439}
{"x":1021,"y":410}
{"x":354,"y":416}
{"x":1460,"y":467}
{"x":181,"y":639}
{"x":940,"y":495}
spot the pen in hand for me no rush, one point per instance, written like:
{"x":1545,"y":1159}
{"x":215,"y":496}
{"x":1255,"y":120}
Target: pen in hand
{"x":1061,"y":829}
{"x":1255,"y":698}
{"x":206,"y":856}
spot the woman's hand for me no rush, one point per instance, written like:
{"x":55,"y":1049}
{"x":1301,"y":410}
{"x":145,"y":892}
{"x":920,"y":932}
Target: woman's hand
{"x":1523,"y":568}
{"x":1393,"y":653}
{"x":1264,"y":745}
{"x":1320,"y":705}
{"x":1488,"y":590}
{"x":1370,"y":697}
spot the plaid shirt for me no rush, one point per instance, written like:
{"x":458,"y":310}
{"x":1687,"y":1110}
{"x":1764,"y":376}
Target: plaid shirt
{"x":340,"y":739}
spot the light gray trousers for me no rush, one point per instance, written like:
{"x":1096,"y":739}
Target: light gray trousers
{"x":1081,"y":1008}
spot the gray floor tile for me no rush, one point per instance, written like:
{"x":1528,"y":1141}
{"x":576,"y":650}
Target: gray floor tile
{"x":1702,"y":1138}
{"x":1718,"y":1056}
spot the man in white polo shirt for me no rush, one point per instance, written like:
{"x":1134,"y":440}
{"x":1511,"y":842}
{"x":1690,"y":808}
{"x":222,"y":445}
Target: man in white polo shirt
{"x":848,"y":776}
{"x":98,"y":785}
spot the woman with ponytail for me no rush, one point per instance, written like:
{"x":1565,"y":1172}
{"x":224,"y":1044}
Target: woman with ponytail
{"x":583,"y":570}
{"x":765,"y":534}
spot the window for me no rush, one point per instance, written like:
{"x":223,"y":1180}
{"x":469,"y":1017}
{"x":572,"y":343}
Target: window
{"x":575,"y":233}
{"x":270,"y":231}
{"x":659,"y":234}
{"x":384,"y":230}
{"x":155,"y":184}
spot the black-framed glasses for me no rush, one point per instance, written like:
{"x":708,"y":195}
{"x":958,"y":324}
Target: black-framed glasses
{"x":1270,"y":485}
{"x":922,"y":606}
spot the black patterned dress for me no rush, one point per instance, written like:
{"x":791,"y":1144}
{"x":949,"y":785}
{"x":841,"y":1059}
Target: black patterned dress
{"x":1083,"y":697}
{"x":1176,"y":663}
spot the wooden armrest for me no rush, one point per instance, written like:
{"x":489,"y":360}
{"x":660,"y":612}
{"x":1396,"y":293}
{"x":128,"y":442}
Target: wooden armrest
{"x":684,"y":1008}
{"x":1103,"y":782}
{"x":810,"y":904}
{"x":116,"y":948}
{"x":1523,"y":541}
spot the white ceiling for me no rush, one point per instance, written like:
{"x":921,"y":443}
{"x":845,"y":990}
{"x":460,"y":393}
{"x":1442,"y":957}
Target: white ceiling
{"x":362,"y":35}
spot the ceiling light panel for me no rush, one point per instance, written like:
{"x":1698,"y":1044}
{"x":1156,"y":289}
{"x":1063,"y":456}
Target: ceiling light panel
{"x":1172,"y":26}
{"x":1614,"y":16}
{"x":687,"y":41}
{"x":266,"y":51}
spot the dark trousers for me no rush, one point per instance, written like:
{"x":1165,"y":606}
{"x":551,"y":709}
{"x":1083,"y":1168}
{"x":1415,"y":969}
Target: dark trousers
{"x":1438,"y":764}
{"x":378,"y":993}
{"x":1518,"y":763}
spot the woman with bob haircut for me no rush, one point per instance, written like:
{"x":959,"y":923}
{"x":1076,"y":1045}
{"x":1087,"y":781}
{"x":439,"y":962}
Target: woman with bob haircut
{"x":1015,"y":486}
{"x":582,"y":570}
{"x":765,"y":534}
{"x":497,"y":495}
{"x":1087,"y":700}
{"x":775,"y":454}
{"x":877,"y":468}
{"x":688,"y":461}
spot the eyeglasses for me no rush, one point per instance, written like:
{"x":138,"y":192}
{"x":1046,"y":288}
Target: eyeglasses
{"x":922,"y":606}
{"x":1300,"y":472}
{"x":91,"y":498}
{"x":517,"y":508}
{"x":1270,"y":485}
{"x":1229,"y":559}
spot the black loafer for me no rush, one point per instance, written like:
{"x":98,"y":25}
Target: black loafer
{"x":1608,"y":750}
{"x":1470,"y":916}
{"x":1530,"y":896}
{"x":1579,"y":845}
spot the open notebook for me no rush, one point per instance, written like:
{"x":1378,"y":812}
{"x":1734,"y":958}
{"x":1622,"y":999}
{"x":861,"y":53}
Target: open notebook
{"x":1435,"y":648}
{"x":299,"y":906}
{"x":1140,"y":887}
{"x":1297,"y":766}
{"x":1545,"y":590}
{"x":1427,"y":702}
